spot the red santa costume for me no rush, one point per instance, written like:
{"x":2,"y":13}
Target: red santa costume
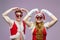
{"x":38,"y":34}
{"x":35,"y":31}
{"x":16,"y":30}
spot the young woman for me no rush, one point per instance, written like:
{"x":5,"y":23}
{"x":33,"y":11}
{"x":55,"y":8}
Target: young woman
{"x":16,"y":26}
{"x":39,"y":27}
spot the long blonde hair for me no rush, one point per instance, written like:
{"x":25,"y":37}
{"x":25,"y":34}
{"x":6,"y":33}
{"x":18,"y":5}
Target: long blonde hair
{"x":39,"y":25}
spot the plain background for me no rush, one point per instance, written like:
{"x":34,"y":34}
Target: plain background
{"x":52,"y":5}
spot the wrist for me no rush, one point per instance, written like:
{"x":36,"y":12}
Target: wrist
{"x":10,"y":9}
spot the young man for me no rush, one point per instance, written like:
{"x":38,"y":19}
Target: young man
{"x":17,"y":27}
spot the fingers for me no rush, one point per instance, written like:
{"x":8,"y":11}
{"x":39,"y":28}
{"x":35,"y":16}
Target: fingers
{"x":17,"y":8}
{"x":14,"y":8}
{"x":24,"y":10}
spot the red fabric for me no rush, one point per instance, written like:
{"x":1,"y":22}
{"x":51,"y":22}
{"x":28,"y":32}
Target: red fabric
{"x":34,"y":34}
{"x":24,"y":25}
{"x":13,"y":30}
{"x":44,"y":34}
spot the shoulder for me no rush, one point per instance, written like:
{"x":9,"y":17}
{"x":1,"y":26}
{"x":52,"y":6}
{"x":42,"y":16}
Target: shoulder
{"x":46,"y":25}
{"x":32,"y":25}
{"x":12,"y":23}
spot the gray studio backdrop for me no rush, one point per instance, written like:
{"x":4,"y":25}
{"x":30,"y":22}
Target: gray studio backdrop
{"x":52,"y":5}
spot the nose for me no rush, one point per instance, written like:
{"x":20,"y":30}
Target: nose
{"x":19,"y":17}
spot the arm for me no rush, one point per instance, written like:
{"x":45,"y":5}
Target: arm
{"x":6,"y":17}
{"x":26,"y":17}
{"x":54,"y":19}
{"x":24,"y":10}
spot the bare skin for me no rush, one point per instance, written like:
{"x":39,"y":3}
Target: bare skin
{"x":52,"y":22}
{"x":11,"y":21}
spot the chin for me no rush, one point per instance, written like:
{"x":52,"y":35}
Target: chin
{"x":18,"y":19}
{"x":39,"y":21}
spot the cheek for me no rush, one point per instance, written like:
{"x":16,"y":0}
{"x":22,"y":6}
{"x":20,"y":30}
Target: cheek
{"x":15,"y":17}
{"x":18,"y":19}
{"x":35,"y":19}
{"x":38,"y":20}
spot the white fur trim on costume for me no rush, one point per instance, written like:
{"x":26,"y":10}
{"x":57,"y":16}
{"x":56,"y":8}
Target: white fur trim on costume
{"x":20,"y":26}
{"x":47,"y":12}
{"x":15,"y":36}
{"x":20,"y":30}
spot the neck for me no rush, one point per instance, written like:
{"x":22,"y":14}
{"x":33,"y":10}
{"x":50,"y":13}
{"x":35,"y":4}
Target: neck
{"x":40,"y":24}
{"x":18,"y":21}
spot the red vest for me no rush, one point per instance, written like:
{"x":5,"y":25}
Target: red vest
{"x":35,"y":31}
{"x":14,"y":28}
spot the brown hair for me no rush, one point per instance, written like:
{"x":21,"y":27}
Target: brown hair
{"x":41,"y":24}
{"x":18,"y":10}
